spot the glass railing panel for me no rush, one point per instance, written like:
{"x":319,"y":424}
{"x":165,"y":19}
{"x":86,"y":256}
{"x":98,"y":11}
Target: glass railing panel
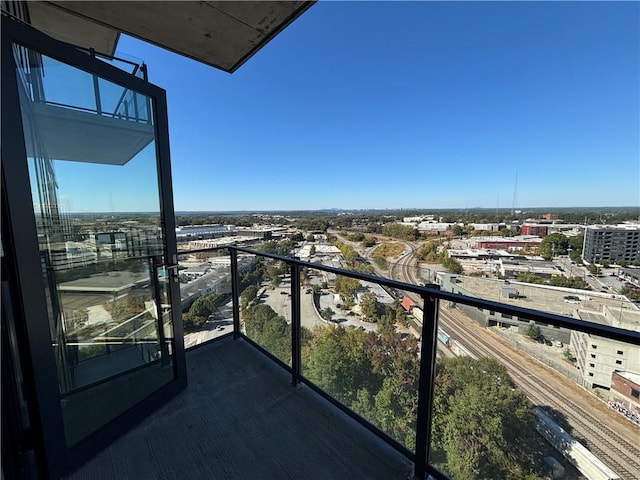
{"x":362,"y":354}
{"x":561,"y":288}
{"x":205,"y":294}
{"x":108,"y":311}
{"x":123,"y":103}
{"x":502,"y":408}
{"x":265,"y":304}
{"x":132,"y":106}
{"x":60,"y":84}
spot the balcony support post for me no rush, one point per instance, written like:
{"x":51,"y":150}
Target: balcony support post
{"x":296,"y":358}
{"x":428,"y":350}
{"x":235,"y":292}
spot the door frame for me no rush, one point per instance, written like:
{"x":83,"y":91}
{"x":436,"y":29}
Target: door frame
{"x":23,"y":247}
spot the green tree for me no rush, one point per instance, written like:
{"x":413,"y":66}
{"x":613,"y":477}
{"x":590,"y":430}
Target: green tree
{"x":402,"y":232}
{"x":395,"y":361}
{"x":338,"y":361}
{"x":429,"y":251}
{"x":248,"y":295}
{"x":458,"y":230}
{"x":528,"y":277}
{"x":374,"y":228}
{"x":192,"y":323}
{"x":327,"y":313}
{"x":593,"y":269}
{"x":349,"y":253}
{"x":364,"y":267}
{"x":369,"y":306}
{"x":269,"y":330}
{"x":452,"y":265}
{"x":296,"y":237}
{"x":533,"y":332}
{"x":125,"y":308}
{"x":204,"y":305}
{"x":483,"y":427}
{"x":508,"y":232}
{"x":311,"y":238}
{"x":554,"y":244}
{"x":347,"y":286}
{"x":575,"y":246}
{"x":567,"y":354}
{"x":368,"y":242}
{"x":632,"y":293}
{"x":569,"y":282}
{"x":200,"y":309}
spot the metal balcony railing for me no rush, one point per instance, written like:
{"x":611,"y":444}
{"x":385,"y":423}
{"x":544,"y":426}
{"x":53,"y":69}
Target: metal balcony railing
{"x":431,"y":296}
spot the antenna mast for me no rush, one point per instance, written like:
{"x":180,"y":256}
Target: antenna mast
{"x":515,"y":195}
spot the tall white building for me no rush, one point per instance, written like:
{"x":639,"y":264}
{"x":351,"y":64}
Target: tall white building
{"x":599,"y":357}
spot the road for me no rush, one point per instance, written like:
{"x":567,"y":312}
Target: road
{"x":279,"y":299}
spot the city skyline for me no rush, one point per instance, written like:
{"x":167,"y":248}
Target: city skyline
{"x":416,"y":105}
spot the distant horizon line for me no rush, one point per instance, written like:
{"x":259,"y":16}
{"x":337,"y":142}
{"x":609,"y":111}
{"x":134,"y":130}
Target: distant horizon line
{"x":348,"y":210}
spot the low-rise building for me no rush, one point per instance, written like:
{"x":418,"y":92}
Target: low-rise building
{"x":557,"y":300}
{"x":511,"y":268}
{"x":518,"y":242}
{"x":486,"y":227}
{"x":625,"y":389}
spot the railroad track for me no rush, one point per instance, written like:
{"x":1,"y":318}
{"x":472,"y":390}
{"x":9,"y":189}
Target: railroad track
{"x":613,"y":449}
{"x":544,"y":388}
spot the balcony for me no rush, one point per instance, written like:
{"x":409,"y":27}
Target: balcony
{"x":240,"y":418}
{"x":267,"y":397}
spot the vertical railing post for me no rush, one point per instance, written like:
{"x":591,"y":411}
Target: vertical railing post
{"x":235,"y":292}
{"x":164,"y":349}
{"x":96,"y":87}
{"x":296,"y":362}
{"x":428,"y":350}
{"x":135,"y":105}
{"x":143,"y":68}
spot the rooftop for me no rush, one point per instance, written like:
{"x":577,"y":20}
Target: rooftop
{"x":547,"y":298}
{"x":622,"y":226}
{"x":241,"y":418}
{"x":634,"y":377}
{"x":618,"y":317}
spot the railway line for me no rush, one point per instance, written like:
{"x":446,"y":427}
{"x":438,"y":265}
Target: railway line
{"x":545,"y":389}
{"x":542,"y":385}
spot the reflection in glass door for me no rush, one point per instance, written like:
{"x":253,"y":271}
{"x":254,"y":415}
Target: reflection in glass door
{"x":94,"y":177}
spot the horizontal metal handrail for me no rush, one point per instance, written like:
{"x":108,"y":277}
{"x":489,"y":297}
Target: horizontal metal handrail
{"x":607,"y":331}
{"x":431,"y":295}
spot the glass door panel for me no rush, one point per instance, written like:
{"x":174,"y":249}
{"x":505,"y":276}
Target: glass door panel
{"x":94,"y":176}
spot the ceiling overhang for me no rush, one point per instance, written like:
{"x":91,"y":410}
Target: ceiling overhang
{"x":222,"y":34}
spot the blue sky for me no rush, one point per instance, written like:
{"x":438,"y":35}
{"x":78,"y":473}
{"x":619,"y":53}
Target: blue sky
{"x":414,"y":105}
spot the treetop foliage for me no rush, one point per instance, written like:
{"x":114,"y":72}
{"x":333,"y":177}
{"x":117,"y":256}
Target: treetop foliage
{"x":483,"y":426}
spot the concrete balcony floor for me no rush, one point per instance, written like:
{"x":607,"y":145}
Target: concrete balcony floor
{"x":240,"y":418}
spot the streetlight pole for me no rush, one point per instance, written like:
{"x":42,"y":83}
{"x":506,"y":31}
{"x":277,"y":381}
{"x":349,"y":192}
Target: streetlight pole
{"x":570,"y":262}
